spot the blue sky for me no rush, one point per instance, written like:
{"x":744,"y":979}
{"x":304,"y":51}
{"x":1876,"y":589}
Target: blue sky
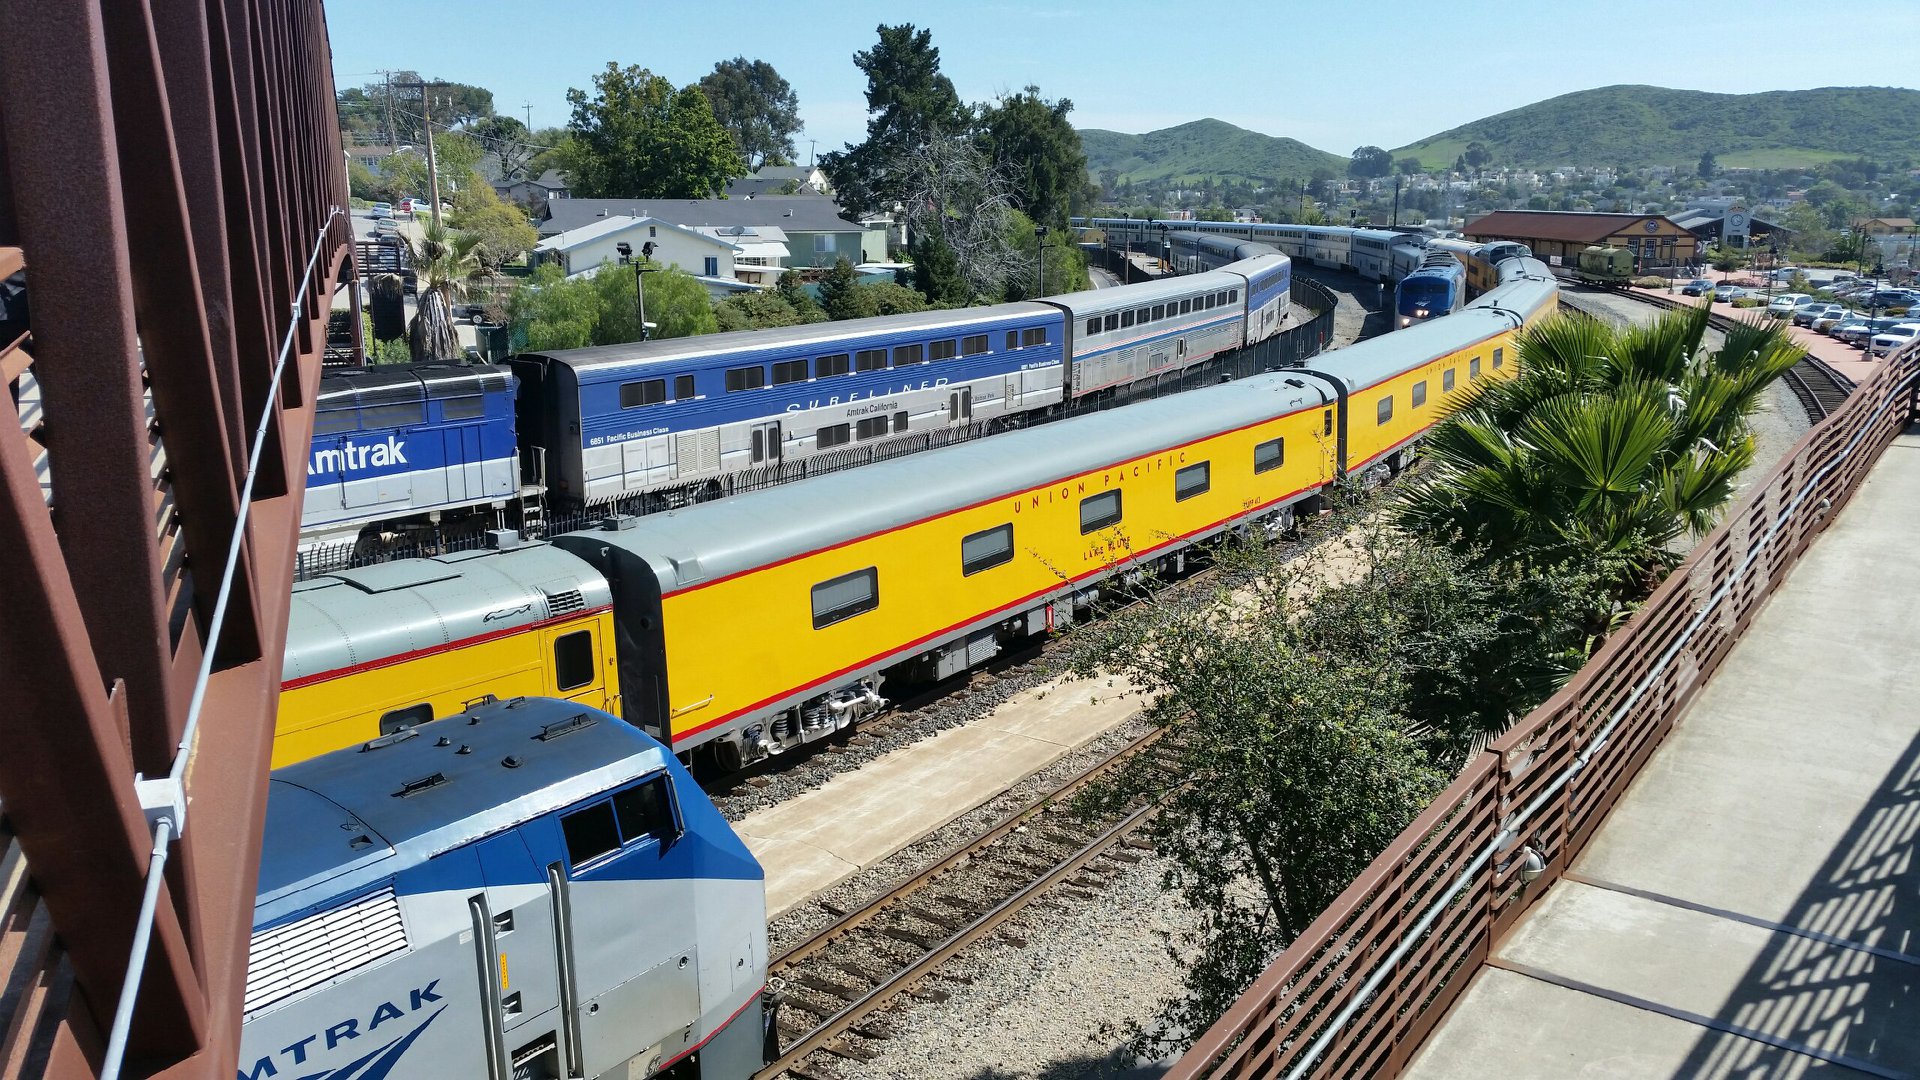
{"x":1333,"y":75}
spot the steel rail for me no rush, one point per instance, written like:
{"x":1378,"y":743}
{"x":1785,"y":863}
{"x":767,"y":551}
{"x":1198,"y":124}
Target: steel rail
{"x":170,"y":823}
{"x":838,"y":1023}
{"x":1512,"y":829}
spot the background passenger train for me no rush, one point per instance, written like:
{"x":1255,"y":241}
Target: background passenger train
{"x":754,"y":624}
{"x":529,"y":888}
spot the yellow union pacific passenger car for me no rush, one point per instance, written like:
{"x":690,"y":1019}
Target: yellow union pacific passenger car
{"x":382,"y":648}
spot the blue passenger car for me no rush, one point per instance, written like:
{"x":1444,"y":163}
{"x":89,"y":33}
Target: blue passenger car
{"x":401,"y":441}
{"x":618,"y":420}
{"x":530,"y":888}
{"x":1436,"y":289}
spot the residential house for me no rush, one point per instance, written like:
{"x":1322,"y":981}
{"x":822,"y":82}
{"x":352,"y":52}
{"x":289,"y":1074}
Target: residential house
{"x":816,"y":234}
{"x":586,"y":249}
{"x":533,"y":192}
{"x":1889,"y":226}
{"x":760,"y":251}
{"x":773,"y":180}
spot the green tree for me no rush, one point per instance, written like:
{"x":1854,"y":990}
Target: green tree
{"x":511,"y":144}
{"x":677,"y":304}
{"x":1371,"y":161}
{"x":446,"y":265}
{"x":757,"y":310}
{"x":500,"y":230}
{"x":638,"y":137}
{"x":1408,"y":166}
{"x":756,"y":106}
{"x":841,"y":296}
{"x":909,"y":104}
{"x":1031,"y":140}
{"x":1064,"y":265}
{"x":550,"y":312}
{"x":792,"y":289}
{"x":1708,"y":166}
{"x":936,"y":271}
{"x":1808,"y":230}
{"x":1607,"y":448}
{"x":1478,"y":155}
{"x":889,"y":298}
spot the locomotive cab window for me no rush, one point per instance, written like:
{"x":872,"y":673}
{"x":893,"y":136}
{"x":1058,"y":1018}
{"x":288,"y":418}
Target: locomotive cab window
{"x":591,"y":832}
{"x":402,"y":719}
{"x":845,"y":596}
{"x":643,"y":392}
{"x":1420,"y":393}
{"x":1099,"y":511}
{"x":789,"y":371}
{"x":1384,"y":411}
{"x":1269,"y":455}
{"x":1192,"y":480}
{"x":986,"y":550}
{"x":645,"y":812}
{"x":746,"y":378}
{"x":1446,"y":380}
{"x":573,"y":660}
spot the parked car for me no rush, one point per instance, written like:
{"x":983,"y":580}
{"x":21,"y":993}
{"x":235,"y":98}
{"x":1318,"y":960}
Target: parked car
{"x":386,"y":225}
{"x":381,"y":210}
{"x":1726,"y":294}
{"x":1696,"y":287}
{"x":1857,"y":332}
{"x":1812,"y":313}
{"x":1783,"y":305}
{"x":1886,"y":298}
{"x":1784,"y":273}
{"x":1831,"y":321}
{"x":1893,"y":337}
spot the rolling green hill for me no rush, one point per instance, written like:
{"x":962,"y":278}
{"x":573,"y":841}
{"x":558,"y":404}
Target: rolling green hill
{"x":1651,"y":125}
{"x":1204,"y":148}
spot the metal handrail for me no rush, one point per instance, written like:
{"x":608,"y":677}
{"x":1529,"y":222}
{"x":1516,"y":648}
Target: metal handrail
{"x":165,"y":799}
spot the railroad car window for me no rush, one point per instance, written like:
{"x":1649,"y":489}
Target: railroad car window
{"x":1202,"y":303}
{"x":973,"y":345}
{"x":872,"y":427}
{"x":645,"y":811}
{"x":462,"y":408}
{"x":1192,"y":480}
{"x":404,"y":412}
{"x":1035,"y":335}
{"x":831,"y":436}
{"x":1233,"y":296}
{"x":1327,"y":422}
{"x":1186,"y":307}
{"x":986,"y":550}
{"x":941,"y":350}
{"x":1013,"y":340}
{"x":336,"y":420}
{"x":1099,"y":511}
{"x":402,"y":719}
{"x":870,"y":360}
{"x":1159,"y":312}
{"x":746,"y":378}
{"x":1446,"y":380}
{"x":590,"y":833}
{"x":1143,"y":316}
{"x":837,"y":364}
{"x":1420,"y":393}
{"x":1220,"y":299}
{"x":845,"y":596}
{"x":1385,"y":410}
{"x":1499,"y":357}
{"x":1473,"y":368}
{"x":1269,"y":455}
{"x":1093,"y":326}
{"x":759,"y":446}
{"x":573,"y":660}
{"x":643,"y":392}
{"x":683,"y":388}
{"x":1111,"y":322}
{"x":909,"y":354}
{"x":899,"y":422}
{"x":789,"y":371}
{"x":1126,"y":319}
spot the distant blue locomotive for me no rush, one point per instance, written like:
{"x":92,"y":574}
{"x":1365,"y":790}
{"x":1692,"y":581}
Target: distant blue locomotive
{"x":530,"y":888}
{"x":1438,"y":288}
{"x":406,"y":441}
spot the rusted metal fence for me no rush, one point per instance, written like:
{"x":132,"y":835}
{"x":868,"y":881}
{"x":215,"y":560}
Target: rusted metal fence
{"x":172,"y":212}
{"x":1356,"y":994}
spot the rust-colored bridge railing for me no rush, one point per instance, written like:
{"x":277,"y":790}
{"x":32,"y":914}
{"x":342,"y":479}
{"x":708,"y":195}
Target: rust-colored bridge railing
{"x":172,"y":197}
{"x":1356,"y":994}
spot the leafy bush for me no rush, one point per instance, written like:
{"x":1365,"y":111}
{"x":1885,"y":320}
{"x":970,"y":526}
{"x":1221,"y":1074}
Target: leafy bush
{"x":1652,"y":282}
{"x":1750,"y":302}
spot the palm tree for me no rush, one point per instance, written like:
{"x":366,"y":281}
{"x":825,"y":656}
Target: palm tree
{"x":1608,"y":449}
{"x":446,"y":265}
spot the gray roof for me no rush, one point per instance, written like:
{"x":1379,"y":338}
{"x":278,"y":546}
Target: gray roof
{"x":333,"y":825}
{"x":366,"y":615}
{"x":794,"y":213}
{"x":709,"y":541}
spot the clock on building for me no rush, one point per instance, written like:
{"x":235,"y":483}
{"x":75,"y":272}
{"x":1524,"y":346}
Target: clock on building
{"x":1652,"y":225}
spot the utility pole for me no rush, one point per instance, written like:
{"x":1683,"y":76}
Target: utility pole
{"x":811,"y":143}
{"x":433,"y":172}
{"x":528,"y":106}
{"x":393,"y":134}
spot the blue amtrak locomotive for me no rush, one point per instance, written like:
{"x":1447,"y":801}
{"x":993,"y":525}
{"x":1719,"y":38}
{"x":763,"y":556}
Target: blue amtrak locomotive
{"x":530,"y":888}
{"x":1437,"y":288}
{"x":408,"y":441}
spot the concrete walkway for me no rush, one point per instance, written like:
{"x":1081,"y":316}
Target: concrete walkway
{"x":1751,"y":908}
{"x":815,"y":841}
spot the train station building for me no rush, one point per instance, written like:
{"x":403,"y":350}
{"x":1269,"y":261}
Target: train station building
{"x":1557,"y":236}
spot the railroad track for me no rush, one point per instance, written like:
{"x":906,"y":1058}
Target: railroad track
{"x":1819,"y":388}
{"x":835,"y":985}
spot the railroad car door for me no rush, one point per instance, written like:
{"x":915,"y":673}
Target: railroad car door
{"x":960,"y":406}
{"x":766,"y":444}
{"x":578,"y":662}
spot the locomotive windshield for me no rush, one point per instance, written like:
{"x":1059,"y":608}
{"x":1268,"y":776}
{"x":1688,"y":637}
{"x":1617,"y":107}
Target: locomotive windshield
{"x":1421,"y":297}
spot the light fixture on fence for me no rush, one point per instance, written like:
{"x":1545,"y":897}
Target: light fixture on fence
{"x":1532,"y":865}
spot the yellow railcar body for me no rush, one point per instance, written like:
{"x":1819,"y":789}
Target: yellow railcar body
{"x":332,"y":710}
{"x":1375,"y":430}
{"x":745,"y":642}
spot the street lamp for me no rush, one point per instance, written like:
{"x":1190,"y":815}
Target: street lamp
{"x":1040,"y":234}
{"x":639,"y":267}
